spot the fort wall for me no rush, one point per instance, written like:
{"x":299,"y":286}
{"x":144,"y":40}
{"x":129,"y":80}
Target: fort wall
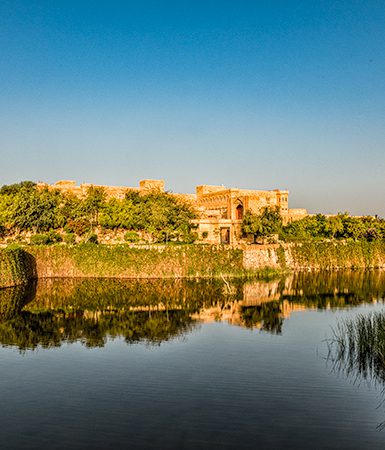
{"x":219,"y":209}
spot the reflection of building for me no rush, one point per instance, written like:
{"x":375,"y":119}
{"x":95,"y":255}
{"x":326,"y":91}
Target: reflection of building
{"x":220,"y":209}
{"x":234,"y":312}
{"x":262,"y":299}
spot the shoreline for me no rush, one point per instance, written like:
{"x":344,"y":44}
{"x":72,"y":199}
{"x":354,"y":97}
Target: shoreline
{"x":18,"y":265}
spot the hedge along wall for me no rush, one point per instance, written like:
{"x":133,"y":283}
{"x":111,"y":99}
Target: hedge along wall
{"x":122,"y":261}
{"x":16,"y":267}
{"x":342,"y":255}
{"x":318,"y":256}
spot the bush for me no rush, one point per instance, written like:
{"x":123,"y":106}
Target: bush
{"x":205,"y":234}
{"x":40,"y":239}
{"x":92,"y":239}
{"x":190,"y":238}
{"x":131,"y":236}
{"x":70,"y":239}
{"x":79,"y":226}
{"x":54,"y":237}
{"x":44,"y":239}
{"x":15,"y":267}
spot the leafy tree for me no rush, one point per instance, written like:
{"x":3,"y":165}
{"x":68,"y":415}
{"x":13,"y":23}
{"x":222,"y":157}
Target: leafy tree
{"x":92,"y":204}
{"x":354,"y":228}
{"x":12,"y":189}
{"x":164,"y":216}
{"x":261,"y":225}
{"x":119,"y":214}
{"x":334,"y":226}
{"x":36,"y":210}
{"x":341,"y":226}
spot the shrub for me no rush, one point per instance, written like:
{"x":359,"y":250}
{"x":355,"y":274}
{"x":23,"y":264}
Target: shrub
{"x":70,"y":239}
{"x":54,"y":237}
{"x":40,"y":239}
{"x":79,"y":226}
{"x":190,"y":238}
{"x":44,"y":239}
{"x":92,"y":239}
{"x":15,"y":267}
{"x":131,"y":236}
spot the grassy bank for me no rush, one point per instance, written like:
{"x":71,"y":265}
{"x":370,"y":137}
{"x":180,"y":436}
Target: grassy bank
{"x":337,"y":255}
{"x":16,"y":267}
{"x":183,"y":261}
{"x":122,"y":261}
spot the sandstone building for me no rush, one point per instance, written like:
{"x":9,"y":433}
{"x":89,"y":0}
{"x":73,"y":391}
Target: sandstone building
{"x":220,"y":209}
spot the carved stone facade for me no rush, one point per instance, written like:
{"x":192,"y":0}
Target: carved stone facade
{"x":220,"y":209}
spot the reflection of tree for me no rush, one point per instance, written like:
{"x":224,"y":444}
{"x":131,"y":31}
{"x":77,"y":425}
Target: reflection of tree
{"x":49,"y":329}
{"x":267,"y":317}
{"x":360,"y":284}
{"x":267,"y":304}
{"x":101,"y":294}
{"x":92,"y":310}
{"x":12,"y":300}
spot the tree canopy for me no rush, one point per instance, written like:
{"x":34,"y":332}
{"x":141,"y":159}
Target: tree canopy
{"x":26,"y":207}
{"x":267,"y":223}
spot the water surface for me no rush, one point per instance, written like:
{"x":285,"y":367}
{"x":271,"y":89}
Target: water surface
{"x":184,"y":364}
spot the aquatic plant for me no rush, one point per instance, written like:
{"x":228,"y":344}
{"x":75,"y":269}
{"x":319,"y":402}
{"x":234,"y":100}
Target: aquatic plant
{"x":357,"y":347}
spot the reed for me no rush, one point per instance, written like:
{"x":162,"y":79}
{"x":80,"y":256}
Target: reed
{"x":357,"y":347}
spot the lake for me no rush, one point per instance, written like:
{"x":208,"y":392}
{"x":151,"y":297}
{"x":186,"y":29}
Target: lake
{"x":88,"y":363}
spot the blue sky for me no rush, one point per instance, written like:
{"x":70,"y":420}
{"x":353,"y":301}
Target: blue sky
{"x":253,"y":94}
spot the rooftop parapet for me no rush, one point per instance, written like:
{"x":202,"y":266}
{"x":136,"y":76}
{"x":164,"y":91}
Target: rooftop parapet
{"x":151,"y":185}
{"x":208,"y":189}
{"x":65,"y":183}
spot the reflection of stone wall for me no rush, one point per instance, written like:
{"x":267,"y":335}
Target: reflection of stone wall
{"x":91,"y":311}
{"x":259,"y":292}
{"x":232,"y":312}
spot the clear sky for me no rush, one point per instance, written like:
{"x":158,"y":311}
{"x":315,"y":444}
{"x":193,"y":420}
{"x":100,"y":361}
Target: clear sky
{"x":253,"y":94}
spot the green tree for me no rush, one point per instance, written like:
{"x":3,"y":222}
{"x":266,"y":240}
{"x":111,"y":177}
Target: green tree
{"x":36,"y":210}
{"x":119,"y":214}
{"x":267,"y":223}
{"x":12,"y":189}
{"x":92,"y":204}
{"x":334,"y":226}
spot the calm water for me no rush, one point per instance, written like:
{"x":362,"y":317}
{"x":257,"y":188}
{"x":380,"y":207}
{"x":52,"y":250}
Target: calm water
{"x":193,"y":364}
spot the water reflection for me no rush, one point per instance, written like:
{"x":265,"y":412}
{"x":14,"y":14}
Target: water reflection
{"x":92,"y":311}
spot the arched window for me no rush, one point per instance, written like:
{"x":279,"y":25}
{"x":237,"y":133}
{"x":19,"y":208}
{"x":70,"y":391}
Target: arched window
{"x":239,"y":212}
